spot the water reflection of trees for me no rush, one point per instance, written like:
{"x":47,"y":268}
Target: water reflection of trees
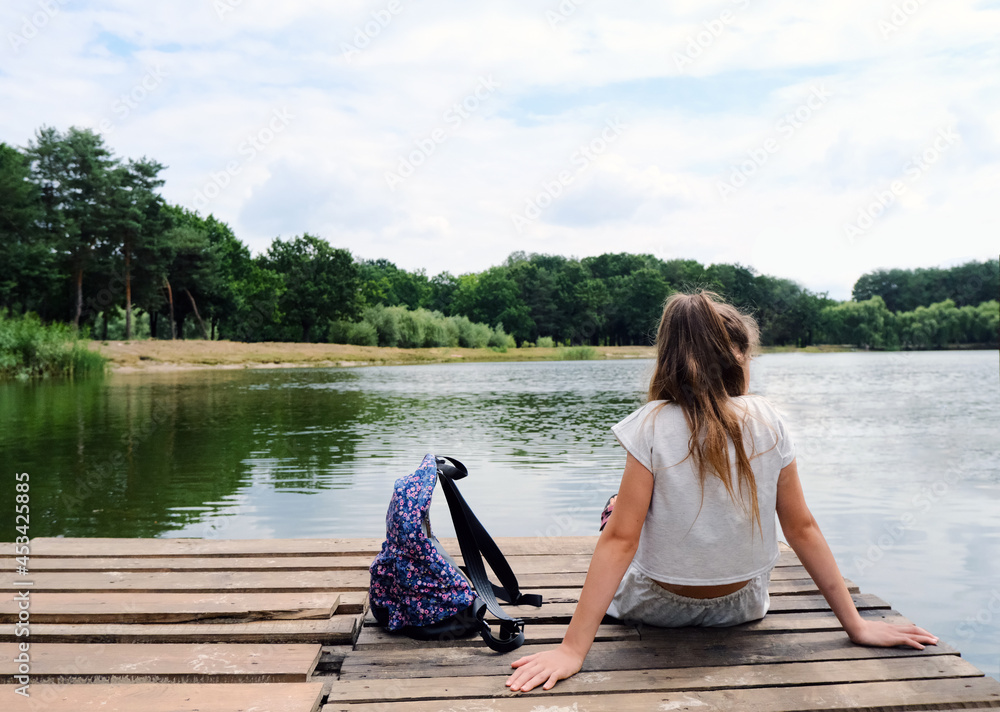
{"x":141,"y":456}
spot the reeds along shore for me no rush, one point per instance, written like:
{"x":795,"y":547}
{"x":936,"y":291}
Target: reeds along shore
{"x":29,"y":349}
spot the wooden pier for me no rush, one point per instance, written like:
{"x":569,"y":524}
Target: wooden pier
{"x":158,"y":625}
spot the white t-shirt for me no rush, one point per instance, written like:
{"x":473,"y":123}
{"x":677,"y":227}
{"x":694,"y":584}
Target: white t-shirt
{"x":720,"y":543}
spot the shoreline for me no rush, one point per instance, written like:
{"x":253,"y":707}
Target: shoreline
{"x":151,"y":356}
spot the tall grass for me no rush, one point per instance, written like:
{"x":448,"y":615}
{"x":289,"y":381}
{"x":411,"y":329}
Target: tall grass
{"x":31,"y":349}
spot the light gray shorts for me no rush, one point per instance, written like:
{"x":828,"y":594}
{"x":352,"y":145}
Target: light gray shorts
{"x":639,"y":599}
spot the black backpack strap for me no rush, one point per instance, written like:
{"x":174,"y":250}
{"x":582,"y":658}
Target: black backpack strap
{"x":511,"y":629}
{"x":453,"y":470}
{"x":524,"y":599}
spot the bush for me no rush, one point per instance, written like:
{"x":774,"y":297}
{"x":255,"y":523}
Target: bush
{"x":472,"y":335}
{"x":500,"y":339}
{"x":359,"y":333}
{"x":545,"y":342}
{"x":29,"y":349}
{"x":385,"y":320}
{"x":337,"y":333}
{"x":362,"y":334}
{"x":578,"y":353}
{"x":412,"y":329}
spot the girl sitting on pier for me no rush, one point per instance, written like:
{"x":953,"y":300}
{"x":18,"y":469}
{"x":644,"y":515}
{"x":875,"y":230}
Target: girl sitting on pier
{"x":692,"y":537}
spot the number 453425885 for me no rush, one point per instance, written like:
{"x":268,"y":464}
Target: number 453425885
{"x":22,"y":507}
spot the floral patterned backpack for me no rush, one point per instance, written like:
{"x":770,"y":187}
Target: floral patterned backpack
{"x":418,"y":590}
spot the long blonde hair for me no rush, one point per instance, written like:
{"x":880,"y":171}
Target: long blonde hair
{"x":702,"y":345}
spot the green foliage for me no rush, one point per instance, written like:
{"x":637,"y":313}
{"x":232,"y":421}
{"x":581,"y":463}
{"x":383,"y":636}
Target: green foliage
{"x":360,"y":333}
{"x":382,"y":282}
{"x":115,"y":322}
{"x":85,"y":235}
{"x":31,"y":349}
{"x":943,"y":324}
{"x":578,"y":353}
{"x":31,"y":278}
{"x":862,"y":324}
{"x":904,"y":290}
{"x":871,"y":325}
{"x":500,"y":339}
{"x":417,"y":328}
{"x":472,"y":335}
{"x":321,"y":284}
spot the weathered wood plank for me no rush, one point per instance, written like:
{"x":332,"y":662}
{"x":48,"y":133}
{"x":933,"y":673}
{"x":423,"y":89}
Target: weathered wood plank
{"x":560,"y":612}
{"x":633,"y":681}
{"x":165,"y":662}
{"x":171,"y":607}
{"x":285,"y":581}
{"x":894,"y":695}
{"x":373,"y":636}
{"x":687,"y":647}
{"x":96,"y":546}
{"x":152,"y":697}
{"x":338,"y":630}
{"x":787,"y":567}
{"x":57,"y":546}
{"x":193,"y":563}
{"x":193,"y":581}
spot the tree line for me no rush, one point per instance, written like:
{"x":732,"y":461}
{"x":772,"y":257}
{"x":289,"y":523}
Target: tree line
{"x":86,"y":238}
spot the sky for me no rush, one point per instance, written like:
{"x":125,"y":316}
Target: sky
{"x":811,"y":141}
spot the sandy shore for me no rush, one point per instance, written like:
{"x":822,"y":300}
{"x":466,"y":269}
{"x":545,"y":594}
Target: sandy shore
{"x":159,"y":356}
{"x":153,"y":356}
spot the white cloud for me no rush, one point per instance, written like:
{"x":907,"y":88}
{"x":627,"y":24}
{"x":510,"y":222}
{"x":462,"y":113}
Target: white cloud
{"x":655,"y":189}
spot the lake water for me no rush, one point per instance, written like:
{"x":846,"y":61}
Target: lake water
{"x":899,"y":455}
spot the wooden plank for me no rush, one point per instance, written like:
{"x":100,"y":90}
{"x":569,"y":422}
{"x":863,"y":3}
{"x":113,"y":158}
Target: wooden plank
{"x":779,"y":590}
{"x":193,"y":563}
{"x":797,"y":604}
{"x":61,"y":547}
{"x":284,"y":581}
{"x":559,"y":612}
{"x":374,"y":636}
{"x":165,"y":662}
{"x":153,"y":697}
{"x":690,"y":679}
{"x":521,"y":564}
{"x":58,"y":546}
{"x":894,"y":695}
{"x":338,"y":630}
{"x":171,"y":607}
{"x":687,"y":647}
{"x":511,"y":546}
{"x":193,"y":581}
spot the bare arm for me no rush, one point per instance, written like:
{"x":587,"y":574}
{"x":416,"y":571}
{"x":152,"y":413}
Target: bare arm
{"x":612,"y":556}
{"x":803,"y":535}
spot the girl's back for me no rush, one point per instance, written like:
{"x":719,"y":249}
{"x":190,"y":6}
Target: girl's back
{"x":695,"y":534}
